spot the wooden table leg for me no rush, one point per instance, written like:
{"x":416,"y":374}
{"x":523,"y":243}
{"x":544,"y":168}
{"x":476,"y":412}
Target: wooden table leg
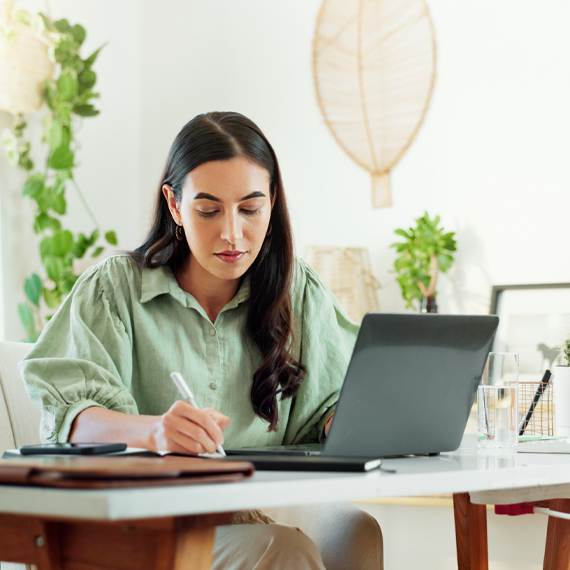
{"x":170,"y":543}
{"x":194,"y":549}
{"x":470,"y":533}
{"x":557,"y":550}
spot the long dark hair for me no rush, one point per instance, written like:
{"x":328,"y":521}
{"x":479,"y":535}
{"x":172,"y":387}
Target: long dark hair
{"x":223,"y":136}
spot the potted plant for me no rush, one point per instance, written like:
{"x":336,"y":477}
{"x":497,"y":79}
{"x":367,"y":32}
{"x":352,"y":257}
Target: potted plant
{"x":69,"y":99}
{"x":426,"y":250}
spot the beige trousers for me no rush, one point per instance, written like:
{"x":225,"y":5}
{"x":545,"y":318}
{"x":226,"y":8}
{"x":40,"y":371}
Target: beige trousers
{"x":257,"y":542}
{"x":349,"y":539}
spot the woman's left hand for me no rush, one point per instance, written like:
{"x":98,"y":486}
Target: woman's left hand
{"x":328,"y":424}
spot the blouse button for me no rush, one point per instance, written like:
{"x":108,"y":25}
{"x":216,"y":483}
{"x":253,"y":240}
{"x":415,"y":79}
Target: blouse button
{"x":214,"y":385}
{"x":212,"y":331}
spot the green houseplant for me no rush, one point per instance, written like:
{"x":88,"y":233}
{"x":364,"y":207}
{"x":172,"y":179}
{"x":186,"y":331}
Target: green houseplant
{"x":69,"y":99}
{"x":426,"y":250}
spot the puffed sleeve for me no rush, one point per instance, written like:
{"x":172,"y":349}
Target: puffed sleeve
{"x":83,"y":357}
{"x":327,"y":337}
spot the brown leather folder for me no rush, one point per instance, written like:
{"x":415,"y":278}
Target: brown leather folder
{"x":120,"y":471}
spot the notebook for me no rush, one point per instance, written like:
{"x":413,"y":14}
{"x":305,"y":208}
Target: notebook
{"x":270,"y":463}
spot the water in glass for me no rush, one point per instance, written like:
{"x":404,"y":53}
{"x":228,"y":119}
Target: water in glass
{"x":497,"y":411}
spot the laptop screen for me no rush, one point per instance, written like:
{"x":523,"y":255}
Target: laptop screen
{"x":410,"y":384}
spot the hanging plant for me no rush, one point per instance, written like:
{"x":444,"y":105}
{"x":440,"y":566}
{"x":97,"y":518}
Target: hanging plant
{"x":69,"y":98}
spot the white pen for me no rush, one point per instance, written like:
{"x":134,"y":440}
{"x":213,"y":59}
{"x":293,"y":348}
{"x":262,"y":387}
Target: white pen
{"x":189,"y":397}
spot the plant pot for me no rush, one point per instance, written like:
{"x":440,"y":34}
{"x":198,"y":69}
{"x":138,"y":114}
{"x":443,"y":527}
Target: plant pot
{"x":561,"y":394}
{"x":429,"y":305}
{"x":24,"y":67}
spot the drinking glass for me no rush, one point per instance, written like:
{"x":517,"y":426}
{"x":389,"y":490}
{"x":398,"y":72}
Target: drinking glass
{"x":497,"y":403}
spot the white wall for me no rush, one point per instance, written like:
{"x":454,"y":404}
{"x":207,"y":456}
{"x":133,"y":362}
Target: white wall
{"x":490,"y":157}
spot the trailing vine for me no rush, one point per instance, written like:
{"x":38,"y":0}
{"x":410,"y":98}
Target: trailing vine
{"x":69,"y":99}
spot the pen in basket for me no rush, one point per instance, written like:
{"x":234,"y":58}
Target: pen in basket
{"x":546,"y":379}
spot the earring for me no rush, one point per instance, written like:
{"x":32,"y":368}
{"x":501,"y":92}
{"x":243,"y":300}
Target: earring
{"x":179,"y":232}
{"x":269,"y":230}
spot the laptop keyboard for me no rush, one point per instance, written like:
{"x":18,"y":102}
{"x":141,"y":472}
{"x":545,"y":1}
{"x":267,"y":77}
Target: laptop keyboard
{"x":301,"y":450}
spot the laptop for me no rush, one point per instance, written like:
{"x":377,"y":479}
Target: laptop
{"x":409,"y":388}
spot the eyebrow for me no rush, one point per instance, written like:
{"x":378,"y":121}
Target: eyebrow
{"x":206,"y":196}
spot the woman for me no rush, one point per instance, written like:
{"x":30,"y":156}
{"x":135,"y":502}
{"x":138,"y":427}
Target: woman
{"x":215,"y":293}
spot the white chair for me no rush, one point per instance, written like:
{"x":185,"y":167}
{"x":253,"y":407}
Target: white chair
{"x":19,"y":418}
{"x":348,"y":538}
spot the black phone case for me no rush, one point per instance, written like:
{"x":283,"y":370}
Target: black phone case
{"x":95,"y":449}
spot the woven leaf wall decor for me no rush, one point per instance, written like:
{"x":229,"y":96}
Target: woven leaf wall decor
{"x":374,"y":70}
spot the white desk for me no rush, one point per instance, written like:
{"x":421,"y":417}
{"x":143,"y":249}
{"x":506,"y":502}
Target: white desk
{"x":531,"y":476}
{"x":264,"y":489}
{"x":187,"y":515}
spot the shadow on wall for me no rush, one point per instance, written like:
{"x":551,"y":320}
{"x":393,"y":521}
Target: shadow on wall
{"x":468,"y":275}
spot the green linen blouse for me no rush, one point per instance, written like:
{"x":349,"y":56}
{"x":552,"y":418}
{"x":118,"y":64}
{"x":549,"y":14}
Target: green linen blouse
{"x":123,"y":329}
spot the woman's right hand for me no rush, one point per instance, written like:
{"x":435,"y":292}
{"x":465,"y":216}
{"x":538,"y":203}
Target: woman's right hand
{"x":185,"y":429}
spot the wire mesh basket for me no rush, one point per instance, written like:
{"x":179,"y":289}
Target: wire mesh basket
{"x":542,"y":419}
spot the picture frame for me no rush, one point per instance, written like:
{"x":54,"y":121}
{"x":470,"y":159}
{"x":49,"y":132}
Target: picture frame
{"x":533,"y":321}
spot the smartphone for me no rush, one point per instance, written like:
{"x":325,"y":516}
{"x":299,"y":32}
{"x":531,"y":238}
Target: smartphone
{"x":72,"y":448}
